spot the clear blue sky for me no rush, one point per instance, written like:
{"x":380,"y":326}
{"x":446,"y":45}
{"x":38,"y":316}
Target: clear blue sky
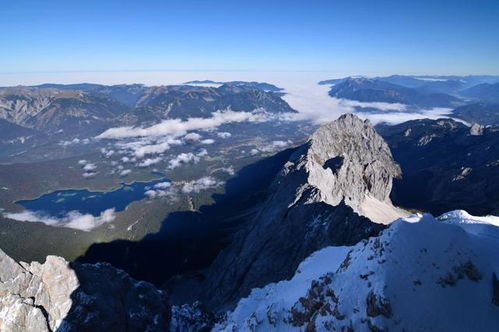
{"x":365,"y":37}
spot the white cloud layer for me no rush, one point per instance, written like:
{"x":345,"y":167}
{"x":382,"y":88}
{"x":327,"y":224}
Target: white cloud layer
{"x":125,"y":172}
{"x":399,"y":117}
{"x":272,"y":147}
{"x":224,"y":134}
{"x":207,"y":141}
{"x":73,"y":219}
{"x":313,"y":103}
{"x":187,"y":158}
{"x":203,"y":183}
{"x":177,"y":127}
{"x":159,"y":190}
{"x":89,"y":167}
{"x":162,"y":185}
{"x":150,"y":161}
{"x":192,"y":137}
{"x":89,"y":174}
{"x":229,"y":170}
{"x":142,"y":151}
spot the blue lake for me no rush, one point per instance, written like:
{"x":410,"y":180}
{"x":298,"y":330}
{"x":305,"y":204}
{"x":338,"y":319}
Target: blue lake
{"x":59,"y":203}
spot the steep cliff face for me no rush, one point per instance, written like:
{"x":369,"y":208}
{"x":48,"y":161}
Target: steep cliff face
{"x":328,"y":193}
{"x":56,"y":296}
{"x":347,"y":160}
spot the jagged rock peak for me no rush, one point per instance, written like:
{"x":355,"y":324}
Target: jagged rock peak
{"x":57,"y":295}
{"x":347,"y":160}
{"x":330,"y":192}
{"x":476,"y":130}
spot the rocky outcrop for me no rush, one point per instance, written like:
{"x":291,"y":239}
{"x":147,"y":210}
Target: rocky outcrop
{"x":347,"y":160}
{"x":328,"y":193}
{"x":57,"y":296}
{"x":476,"y":130}
{"x":35,"y":297}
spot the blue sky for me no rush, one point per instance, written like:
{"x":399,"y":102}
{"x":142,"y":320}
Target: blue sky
{"x":361,"y":37}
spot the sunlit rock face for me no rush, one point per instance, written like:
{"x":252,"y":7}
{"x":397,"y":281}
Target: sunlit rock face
{"x":347,"y":160}
{"x":58,"y":296}
{"x":333,"y":190}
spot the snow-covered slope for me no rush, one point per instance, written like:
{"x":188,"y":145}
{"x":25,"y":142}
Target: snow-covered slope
{"x":421,"y":274}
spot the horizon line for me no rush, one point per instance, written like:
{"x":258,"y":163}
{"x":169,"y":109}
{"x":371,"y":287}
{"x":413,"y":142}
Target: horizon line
{"x":228,"y":71}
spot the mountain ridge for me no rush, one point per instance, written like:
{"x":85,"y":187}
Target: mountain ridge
{"x":86,"y":109}
{"x":311,"y":206}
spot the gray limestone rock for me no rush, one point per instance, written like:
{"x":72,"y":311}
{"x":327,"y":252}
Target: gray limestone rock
{"x":58,"y":296}
{"x":328,"y":193}
{"x":476,"y":130}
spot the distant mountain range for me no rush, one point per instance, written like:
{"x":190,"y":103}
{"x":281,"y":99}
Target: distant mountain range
{"x":376,"y":90}
{"x":482,"y":113}
{"x":445,"y":165}
{"x":254,"y":85}
{"x":484,"y":92}
{"x":434,"y":83}
{"x":91,"y":108}
{"x":190,"y":101}
{"x":473,"y":98}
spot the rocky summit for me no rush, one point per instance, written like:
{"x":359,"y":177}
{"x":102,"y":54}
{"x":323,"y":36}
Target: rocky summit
{"x":347,"y":160}
{"x":334,"y":190}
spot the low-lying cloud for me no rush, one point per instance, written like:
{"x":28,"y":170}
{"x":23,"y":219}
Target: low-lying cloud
{"x":200,"y":184}
{"x":89,"y":167}
{"x":151,"y":149}
{"x":73,"y":219}
{"x":186,"y":158}
{"x":382,"y":106}
{"x":313,"y":103}
{"x":125,"y":172}
{"x":173,"y":190}
{"x":89,"y":174}
{"x":141,"y":142}
{"x":178,"y":127}
{"x":399,"y":117}
{"x":224,"y":134}
{"x":149,"y":161}
{"x":159,"y":190}
{"x":272,"y":147}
